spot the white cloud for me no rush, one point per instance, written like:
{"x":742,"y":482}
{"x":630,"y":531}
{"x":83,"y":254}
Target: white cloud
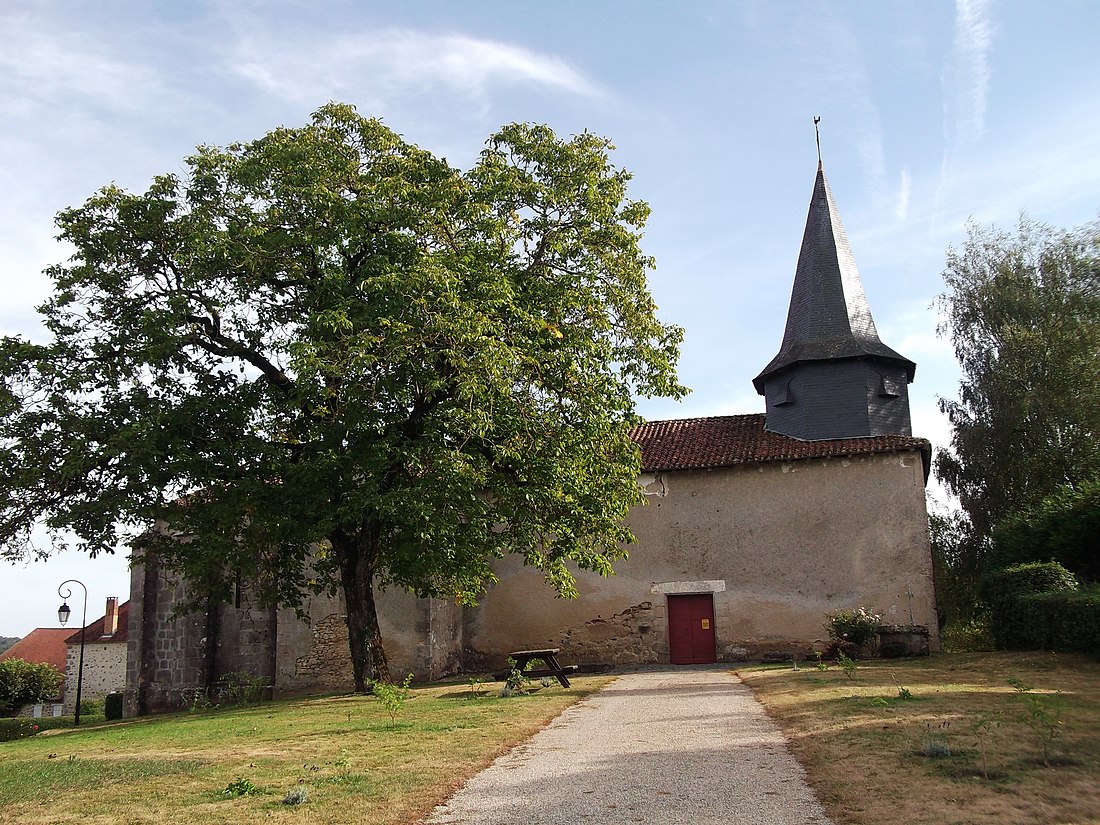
{"x":389,"y":62}
{"x":905,"y":187}
{"x":45,"y":69}
{"x":969,"y":73}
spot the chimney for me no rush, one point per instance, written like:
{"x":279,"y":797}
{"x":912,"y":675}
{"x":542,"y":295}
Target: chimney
{"x":110,"y":618}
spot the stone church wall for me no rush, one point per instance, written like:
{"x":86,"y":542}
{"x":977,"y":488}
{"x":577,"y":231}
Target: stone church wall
{"x":778,"y":545}
{"x":167,"y":655}
{"x":173,"y":658}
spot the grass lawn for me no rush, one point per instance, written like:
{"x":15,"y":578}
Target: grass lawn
{"x":902,"y":740}
{"x":356,"y":765}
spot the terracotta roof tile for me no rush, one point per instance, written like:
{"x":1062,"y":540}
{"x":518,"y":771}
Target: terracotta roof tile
{"x":43,"y":644}
{"x":729,"y":440}
{"x":94,"y":631}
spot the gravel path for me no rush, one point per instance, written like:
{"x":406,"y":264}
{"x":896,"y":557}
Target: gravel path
{"x":676,"y":746}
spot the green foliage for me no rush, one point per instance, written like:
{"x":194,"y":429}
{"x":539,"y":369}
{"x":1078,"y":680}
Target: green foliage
{"x":846,"y":664}
{"x":857,"y":626}
{"x":240,"y":688}
{"x":1014,"y":620}
{"x":241,"y":787}
{"x":477,"y":687}
{"x":1043,"y":714}
{"x":1068,"y":622}
{"x":959,"y":557}
{"x":22,"y":726}
{"x":934,"y":744}
{"x":393,"y":697}
{"x":329,"y":338}
{"x":1064,"y":527}
{"x":7,"y":641}
{"x":26,"y":683}
{"x":1023,"y":314}
{"x":517,"y":680}
{"x":972,"y":636}
{"x":112,"y":705}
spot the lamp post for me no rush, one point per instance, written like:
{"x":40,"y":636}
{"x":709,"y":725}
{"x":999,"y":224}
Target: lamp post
{"x":63,"y":616}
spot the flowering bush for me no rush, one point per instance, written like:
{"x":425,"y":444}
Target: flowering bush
{"x":856,"y":626}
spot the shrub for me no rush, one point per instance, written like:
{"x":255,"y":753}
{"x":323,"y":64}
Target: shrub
{"x":1061,"y":528}
{"x":112,"y":705}
{"x":240,"y":688}
{"x":1013,"y":620}
{"x":91,"y":707}
{"x":1068,"y":622}
{"x":517,"y":680}
{"x":21,"y":727}
{"x":392,"y":697}
{"x":856,"y":626}
{"x":26,"y":683}
{"x":296,"y":796}
{"x":240,"y":787}
{"x":971,"y":636}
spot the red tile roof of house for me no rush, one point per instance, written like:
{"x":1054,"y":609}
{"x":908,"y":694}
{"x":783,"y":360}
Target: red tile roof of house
{"x":729,"y":440}
{"x":43,"y":644}
{"x":94,"y":631}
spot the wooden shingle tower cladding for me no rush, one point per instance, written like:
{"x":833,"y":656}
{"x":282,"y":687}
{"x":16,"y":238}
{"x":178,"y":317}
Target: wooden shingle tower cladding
{"x":833,"y":377}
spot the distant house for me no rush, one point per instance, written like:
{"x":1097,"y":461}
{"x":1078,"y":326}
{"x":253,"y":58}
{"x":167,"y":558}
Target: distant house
{"x":105,"y":643}
{"x":41,"y":645}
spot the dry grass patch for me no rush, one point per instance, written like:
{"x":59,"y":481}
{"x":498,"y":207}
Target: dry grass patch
{"x":903,"y":740}
{"x":341,"y":749}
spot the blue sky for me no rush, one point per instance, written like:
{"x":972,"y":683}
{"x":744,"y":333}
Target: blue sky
{"x":932,"y":115}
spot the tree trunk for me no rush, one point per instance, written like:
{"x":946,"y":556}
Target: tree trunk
{"x":357,"y":557}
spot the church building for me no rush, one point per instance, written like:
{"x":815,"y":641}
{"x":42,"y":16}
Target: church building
{"x":755,"y":527}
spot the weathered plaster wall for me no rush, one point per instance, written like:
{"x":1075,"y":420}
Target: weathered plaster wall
{"x":779,"y":545}
{"x":104,"y":671}
{"x":421,"y":636}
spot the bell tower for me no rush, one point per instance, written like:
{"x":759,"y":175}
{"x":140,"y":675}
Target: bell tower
{"x":833,"y":378}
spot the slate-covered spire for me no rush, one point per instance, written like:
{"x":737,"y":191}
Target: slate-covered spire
{"x":819,"y":384}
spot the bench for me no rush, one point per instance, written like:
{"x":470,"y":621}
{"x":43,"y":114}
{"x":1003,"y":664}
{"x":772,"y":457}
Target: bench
{"x":549,"y":659}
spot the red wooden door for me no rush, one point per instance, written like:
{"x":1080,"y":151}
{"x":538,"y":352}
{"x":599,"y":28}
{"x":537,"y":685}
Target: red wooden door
{"x":691,"y":629}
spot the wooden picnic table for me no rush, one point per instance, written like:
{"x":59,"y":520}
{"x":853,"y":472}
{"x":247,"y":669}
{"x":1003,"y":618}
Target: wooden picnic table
{"x":549,"y":659}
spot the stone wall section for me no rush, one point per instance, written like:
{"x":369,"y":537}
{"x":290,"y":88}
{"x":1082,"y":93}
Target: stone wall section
{"x":245,"y":638}
{"x":104,"y":671}
{"x":422,"y":637}
{"x":327,"y":664}
{"x":168,"y":657}
{"x":174,"y":657}
{"x":632,"y":636}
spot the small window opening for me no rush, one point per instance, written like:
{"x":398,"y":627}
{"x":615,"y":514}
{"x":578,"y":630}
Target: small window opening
{"x":890,"y":387}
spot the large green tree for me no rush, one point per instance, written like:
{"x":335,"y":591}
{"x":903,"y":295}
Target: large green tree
{"x":325,"y":358}
{"x":1023,"y":313}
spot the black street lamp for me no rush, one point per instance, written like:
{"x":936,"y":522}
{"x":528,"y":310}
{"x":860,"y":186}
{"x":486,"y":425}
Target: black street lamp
{"x":63,"y":616}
